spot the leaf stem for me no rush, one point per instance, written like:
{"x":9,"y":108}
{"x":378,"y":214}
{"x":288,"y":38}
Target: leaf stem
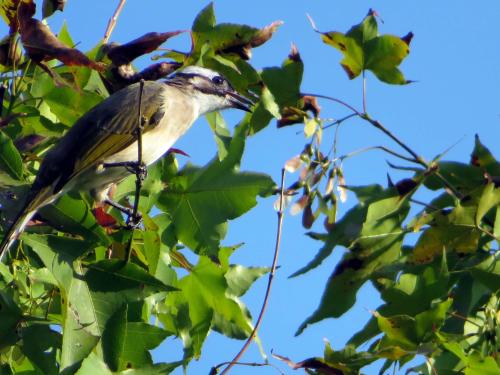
{"x":269,"y":282}
{"x":112,"y":21}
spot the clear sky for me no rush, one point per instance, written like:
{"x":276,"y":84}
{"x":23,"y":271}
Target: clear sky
{"x":455,"y":61}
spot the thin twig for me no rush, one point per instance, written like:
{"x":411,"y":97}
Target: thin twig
{"x":269,"y":282}
{"x":341,"y":102}
{"x":214,"y":369}
{"x":112,"y":21}
{"x":417,"y":159}
{"x":364,"y":92}
{"x":383,"y":148}
{"x":339,"y":121}
{"x":139,"y":172}
{"x":387,"y":132}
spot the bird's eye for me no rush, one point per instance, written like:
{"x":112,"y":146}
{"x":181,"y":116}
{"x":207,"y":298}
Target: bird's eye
{"x":218,"y":80}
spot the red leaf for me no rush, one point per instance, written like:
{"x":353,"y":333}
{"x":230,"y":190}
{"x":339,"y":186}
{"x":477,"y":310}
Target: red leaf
{"x":103,"y":218}
{"x":177,"y":151}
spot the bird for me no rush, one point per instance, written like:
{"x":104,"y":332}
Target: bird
{"x":97,"y":151}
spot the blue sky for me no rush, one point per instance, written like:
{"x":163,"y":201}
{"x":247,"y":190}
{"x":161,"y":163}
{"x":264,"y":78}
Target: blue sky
{"x":454,"y":59}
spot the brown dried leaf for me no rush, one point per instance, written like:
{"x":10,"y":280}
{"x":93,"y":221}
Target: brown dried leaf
{"x":297,"y":115}
{"x":299,"y":205}
{"x":124,"y":54}
{"x":160,"y":70}
{"x":341,"y":185}
{"x":264,"y":34}
{"x":310,"y":363}
{"x":308,"y":217}
{"x":41,"y":44}
{"x":294,"y":54}
{"x":243,"y":48}
{"x":293,"y":164}
{"x":407,"y":38}
{"x":311,"y":104}
{"x":405,"y":185}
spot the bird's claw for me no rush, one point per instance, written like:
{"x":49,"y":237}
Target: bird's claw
{"x":133,"y":221}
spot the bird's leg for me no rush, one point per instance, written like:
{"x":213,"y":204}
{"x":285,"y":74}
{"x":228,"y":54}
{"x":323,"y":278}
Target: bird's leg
{"x":133,"y":220}
{"x":139,"y":169}
{"x":134,"y":217}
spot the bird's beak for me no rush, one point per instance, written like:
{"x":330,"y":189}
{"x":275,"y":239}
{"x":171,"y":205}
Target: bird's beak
{"x":239,"y":101}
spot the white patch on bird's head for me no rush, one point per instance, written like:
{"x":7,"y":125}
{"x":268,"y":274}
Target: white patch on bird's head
{"x":211,"y":91}
{"x":198,"y":71}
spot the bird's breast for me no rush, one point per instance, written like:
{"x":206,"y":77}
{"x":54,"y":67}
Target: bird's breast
{"x":179,"y":113}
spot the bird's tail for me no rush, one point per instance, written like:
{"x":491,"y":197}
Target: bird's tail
{"x":29,"y":209}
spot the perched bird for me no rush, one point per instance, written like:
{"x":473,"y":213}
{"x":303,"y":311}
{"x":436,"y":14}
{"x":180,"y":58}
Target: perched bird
{"x":94,"y":153}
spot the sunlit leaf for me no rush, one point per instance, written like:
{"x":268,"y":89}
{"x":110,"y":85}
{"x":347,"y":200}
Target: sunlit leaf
{"x":10,"y":159}
{"x":200,"y":202}
{"x":364,"y":49}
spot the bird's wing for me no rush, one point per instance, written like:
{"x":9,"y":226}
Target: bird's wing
{"x":103,"y":131}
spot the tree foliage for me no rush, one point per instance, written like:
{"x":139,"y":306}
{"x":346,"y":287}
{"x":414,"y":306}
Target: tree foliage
{"x":70,"y":303}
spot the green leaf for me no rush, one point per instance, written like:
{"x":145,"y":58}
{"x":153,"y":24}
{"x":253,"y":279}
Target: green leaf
{"x":490,"y":198}
{"x":205,"y":20}
{"x":347,"y":360}
{"x":284,"y":81}
{"x":93,"y":365}
{"x":427,"y":322}
{"x":69,"y":105}
{"x":347,"y":230}
{"x":465,"y":177}
{"x":72,"y":215}
{"x":269,"y":102}
{"x":205,"y":294}
{"x":379,"y":243}
{"x":40,"y":345}
{"x":140,"y":339}
{"x":483,"y":158}
{"x":113,"y":338}
{"x":63,"y":35}
{"x":400,"y":329}
{"x":128,"y":272}
{"x":487,"y":272}
{"x":81,"y":330}
{"x":202,"y":200}
{"x":10,"y":317}
{"x":240,"y":279}
{"x":50,"y":6}
{"x":221,"y":133}
{"x":363,"y":49}
{"x":479,"y":365}
{"x":10,"y":158}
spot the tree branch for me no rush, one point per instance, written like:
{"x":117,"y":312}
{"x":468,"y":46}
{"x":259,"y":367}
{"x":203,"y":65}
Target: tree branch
{"x":112,"y":21}
{"x":269,"y":282}
{"x":140,"y":172}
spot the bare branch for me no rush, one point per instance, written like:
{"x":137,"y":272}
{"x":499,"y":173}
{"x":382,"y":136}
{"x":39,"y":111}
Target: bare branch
{"x":112,"y":21}
{"x":269,"y":282}
{"x":140,"y":171}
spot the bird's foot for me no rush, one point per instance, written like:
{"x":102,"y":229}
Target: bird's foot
{"x":139,"y":169}
{"x":133,"y":221}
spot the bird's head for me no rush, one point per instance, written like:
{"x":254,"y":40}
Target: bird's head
{"x":212,"y":91}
